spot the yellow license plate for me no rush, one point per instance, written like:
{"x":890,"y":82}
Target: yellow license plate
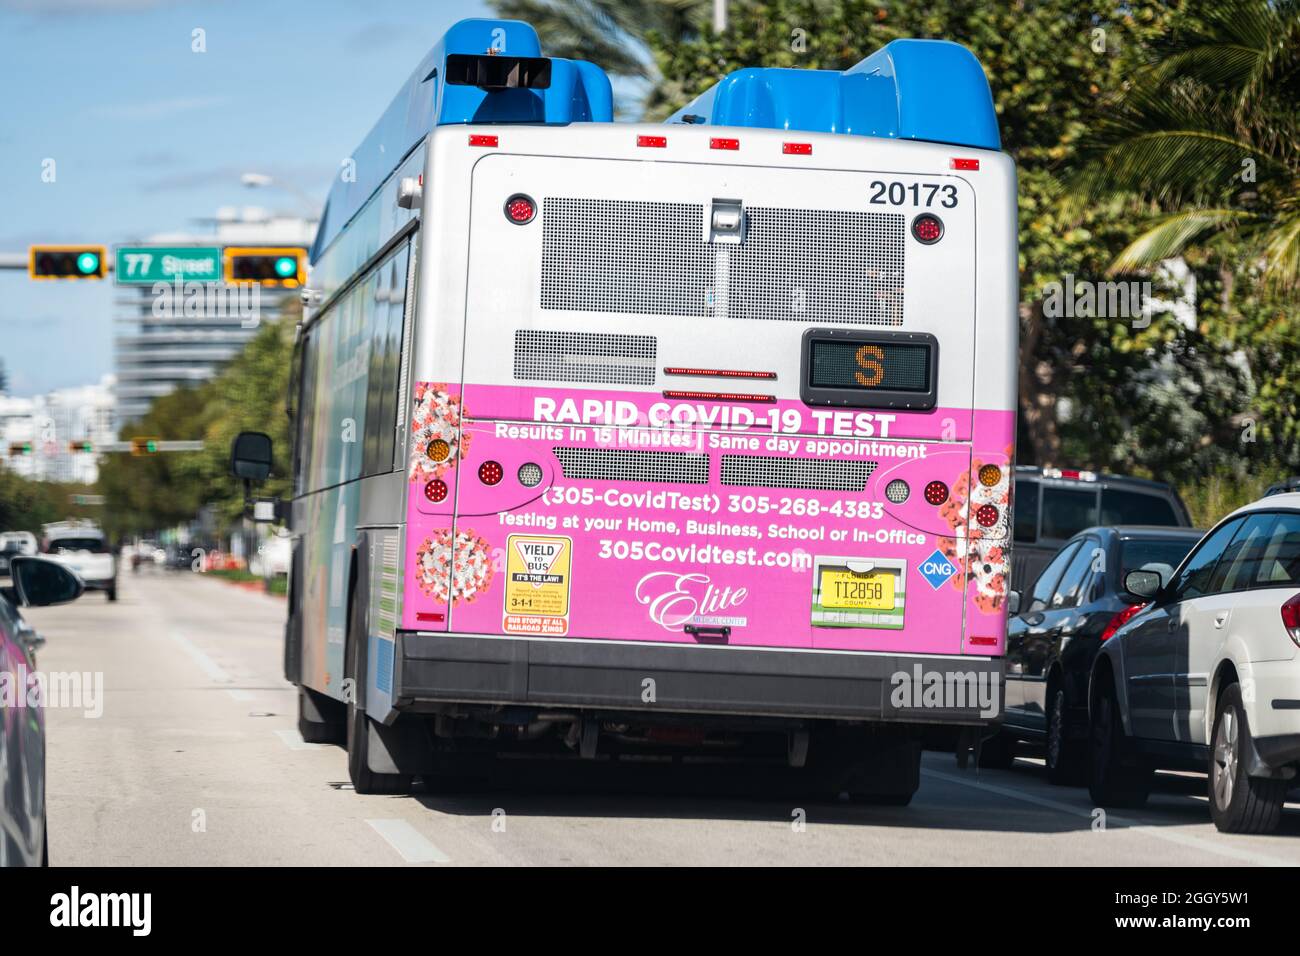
{"x":873,"y":591}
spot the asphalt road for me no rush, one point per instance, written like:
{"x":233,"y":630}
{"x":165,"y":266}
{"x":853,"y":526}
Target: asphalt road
{"x":196,"y":760}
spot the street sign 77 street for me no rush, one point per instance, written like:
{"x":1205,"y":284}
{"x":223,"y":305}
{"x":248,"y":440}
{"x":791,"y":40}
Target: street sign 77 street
{"x":145,"y":265}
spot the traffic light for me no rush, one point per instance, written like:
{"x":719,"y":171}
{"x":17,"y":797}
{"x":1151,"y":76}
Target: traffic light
{"x":267,"y":266}
{"x":20,"y":448}
{"x":144,"y":446}
{"x":80,"y":446}
{"x":66,"y":262}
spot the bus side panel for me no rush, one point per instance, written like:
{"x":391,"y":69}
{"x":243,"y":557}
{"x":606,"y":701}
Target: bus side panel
{"x":328,"y":520}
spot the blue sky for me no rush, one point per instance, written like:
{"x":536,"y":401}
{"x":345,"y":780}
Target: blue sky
{"x":148,"y":136}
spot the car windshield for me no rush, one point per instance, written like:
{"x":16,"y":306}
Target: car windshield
{"x":1138,"y":553}
{"x":93,"y":545}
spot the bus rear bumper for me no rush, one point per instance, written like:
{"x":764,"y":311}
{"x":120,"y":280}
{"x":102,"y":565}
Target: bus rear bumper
{"x":622,"y":675}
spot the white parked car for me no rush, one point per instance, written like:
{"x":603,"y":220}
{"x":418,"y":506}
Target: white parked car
{"x":83,"y":548}
{"x":1207,"y":675}
{"x":272,"y":557}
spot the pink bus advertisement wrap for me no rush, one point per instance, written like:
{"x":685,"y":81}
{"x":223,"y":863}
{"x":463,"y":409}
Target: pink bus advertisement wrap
{"x":700,"y":550}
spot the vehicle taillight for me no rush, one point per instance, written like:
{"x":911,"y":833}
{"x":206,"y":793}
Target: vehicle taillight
{"x":986,"y":515}
{"x":722,"y":142}
{"x":927,"y":228}
{"x":490,"y":473}
{"x":436,"y":490}
{"x":530,"y":474}
{"x":897,"y":491}
{"x":1119,"y":620}
{"x":655,"y":142}
{"x":936,"y":492}
{"x":1291,"y":618}
{"x":520,"y":209}
{"x":797,"y":149}
{"x":480,"y":139}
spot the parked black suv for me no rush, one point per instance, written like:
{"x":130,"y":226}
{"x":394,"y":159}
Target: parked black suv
{"x":1051,"y":505}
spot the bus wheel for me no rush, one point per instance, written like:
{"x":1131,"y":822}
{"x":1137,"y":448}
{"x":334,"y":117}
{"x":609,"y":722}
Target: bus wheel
{"x":365,"y":780}
{"x":321,"y":719}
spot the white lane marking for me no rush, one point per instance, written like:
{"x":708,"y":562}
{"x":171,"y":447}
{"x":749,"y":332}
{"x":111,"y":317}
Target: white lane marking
{"x":211,"y":668}
{"x":243,"y":695}
{"x":293,"y":740}
{"x":1162,"y":833}
{"x":409,"y":843}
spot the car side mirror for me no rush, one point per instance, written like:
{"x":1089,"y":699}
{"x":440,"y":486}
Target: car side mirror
{"x":250,"y":456}
{"x":38,"y":582}
{"x":1013,"y":602}
{"x":1143,"y":584}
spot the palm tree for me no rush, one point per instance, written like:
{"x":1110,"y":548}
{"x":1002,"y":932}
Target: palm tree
{"x":1208,"y":136}
{"x":611,"y":33}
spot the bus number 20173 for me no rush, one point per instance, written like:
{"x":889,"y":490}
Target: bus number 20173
{"x":913,"y":194}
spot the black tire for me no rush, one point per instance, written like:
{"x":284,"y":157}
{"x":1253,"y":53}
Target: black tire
{"x":364,"y":780}
{"x":1239,"y":803}
{"x":1066,"y":757}
{"x":998,"y":752}
{"x":1117,"y":776}
{"x":112,"y":591}
{"x":45,"y":842}
{"x":312,"y":728}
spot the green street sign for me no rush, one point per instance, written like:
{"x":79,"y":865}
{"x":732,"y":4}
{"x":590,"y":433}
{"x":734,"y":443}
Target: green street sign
{"x":145,"y":265}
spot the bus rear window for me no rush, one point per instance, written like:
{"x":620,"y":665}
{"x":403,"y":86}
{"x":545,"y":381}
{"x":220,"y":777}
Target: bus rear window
{"x":1067,"y":511}
{"x":1136,"y":507}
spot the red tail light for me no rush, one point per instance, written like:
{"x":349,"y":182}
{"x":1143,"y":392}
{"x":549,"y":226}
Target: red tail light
{"x":986,"y":515}
{"x":490,"y":472}
{"x":956,"y":163}
{"x":655,"y":142}
{"x":936,"y":493}
{"x":479,"y":139}
{"x":797,"y":149}
{"x":436,"y":490}
{"x":720,"y":142}
{"x":1291,"y":617}
{"x":1119,"y":620}
{"x":520,"y":209}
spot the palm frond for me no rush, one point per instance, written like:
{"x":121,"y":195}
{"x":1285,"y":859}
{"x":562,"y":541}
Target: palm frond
{"x":1171,"y":234}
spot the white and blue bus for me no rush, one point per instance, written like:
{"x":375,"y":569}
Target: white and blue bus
{"x":622,"y":439}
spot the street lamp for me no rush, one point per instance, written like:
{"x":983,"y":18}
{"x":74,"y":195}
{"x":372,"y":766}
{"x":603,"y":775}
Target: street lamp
{"x":258,"y":180}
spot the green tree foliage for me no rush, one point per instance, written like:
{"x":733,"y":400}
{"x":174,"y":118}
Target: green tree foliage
{"x":156,"y":491}
{"x":1165,"y":400}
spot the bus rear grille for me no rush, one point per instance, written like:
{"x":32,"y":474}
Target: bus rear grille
{"x":585,"y":357}
{"x":618,"y":464}
{"x":816,"y":474}
{"x":650,"y":258}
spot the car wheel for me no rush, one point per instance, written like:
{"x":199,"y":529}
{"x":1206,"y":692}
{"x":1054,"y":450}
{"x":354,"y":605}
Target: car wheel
{"x":111,"y":593}
{"x":1239,"y":803}
{"x":1066,"y":758}
{"x":1117,"y":777}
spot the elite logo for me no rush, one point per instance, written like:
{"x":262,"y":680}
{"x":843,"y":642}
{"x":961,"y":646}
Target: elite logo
{"x":937,"y":569}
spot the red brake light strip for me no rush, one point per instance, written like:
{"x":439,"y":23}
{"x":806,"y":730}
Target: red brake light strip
{"x":717,"y":372}
{"x":723,"y":396}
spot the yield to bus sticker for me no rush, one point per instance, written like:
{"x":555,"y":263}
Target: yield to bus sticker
{"x":859,"y":592}
{"x":537,"y":584}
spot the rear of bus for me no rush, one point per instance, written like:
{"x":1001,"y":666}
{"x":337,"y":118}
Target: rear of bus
{"x":712,"y":424}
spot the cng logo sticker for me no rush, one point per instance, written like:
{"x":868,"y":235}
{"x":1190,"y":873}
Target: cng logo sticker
{"x":537,"y":584}
{"x":937,"y":569}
